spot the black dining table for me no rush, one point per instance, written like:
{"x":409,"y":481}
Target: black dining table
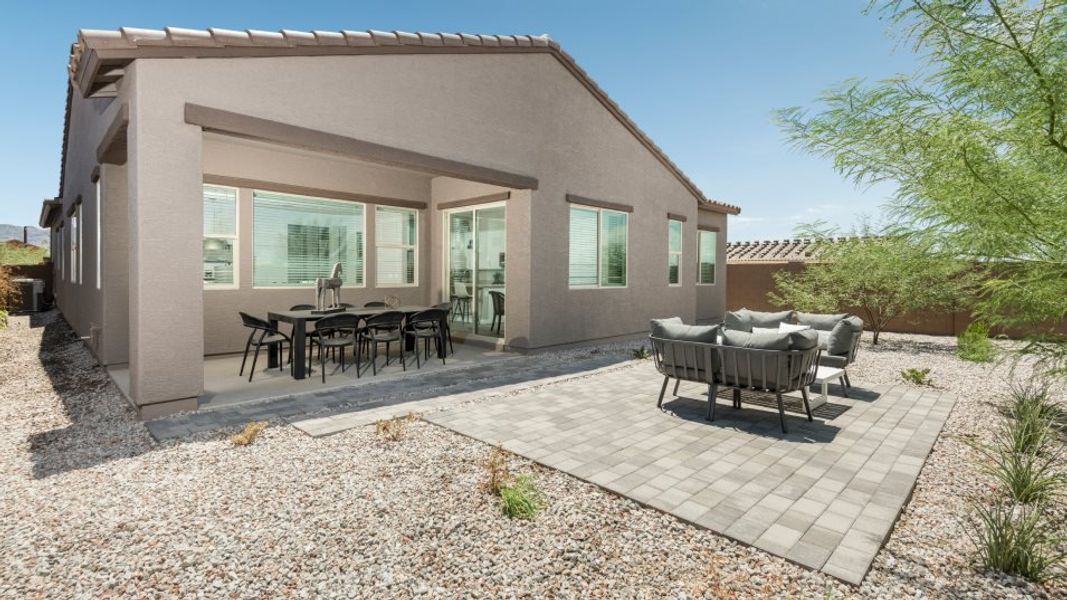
{"x":300,"y":318}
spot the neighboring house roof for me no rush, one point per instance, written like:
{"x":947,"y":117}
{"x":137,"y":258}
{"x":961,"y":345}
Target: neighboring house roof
{"x":98,"y":59}
{"x":802,"y":250}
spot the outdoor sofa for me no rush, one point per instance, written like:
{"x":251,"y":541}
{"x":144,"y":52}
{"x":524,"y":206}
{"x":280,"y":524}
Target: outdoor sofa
{"x":839,"y":334}
{"x":776,"y":363}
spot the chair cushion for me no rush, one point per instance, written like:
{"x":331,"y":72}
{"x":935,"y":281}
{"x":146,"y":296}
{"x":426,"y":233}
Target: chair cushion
{"x":769,"y":319}
{"x":829,"y":360}
{"x":822,"y":322}
{"x":843,"y":334}
{"x":738,"y":320}
{"x":805,"y":339}
{"x":675,"y":329}
{"x":759,"y":341}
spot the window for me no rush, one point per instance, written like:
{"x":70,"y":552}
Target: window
{"x":598,"y":240}
{"x":75,"y":241}
{"x":296,"y":239}
{"x":674,"y":252}
{"x":396,"y":234}
{"x":706,"y":257}
{"x":220,"y":237}
{"x":59,"y":252}
{"x":99,"y":218}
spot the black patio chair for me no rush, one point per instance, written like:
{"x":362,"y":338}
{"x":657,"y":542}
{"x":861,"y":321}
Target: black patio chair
{"x":498,"y":310}
{"x":375,"y":304}
{"x":268,"y":336}
{"x":302,"y":307}
{"x":447,"y":307}
{"x":335,"y":332}
{"x":384,"y":328}
{"x":426,"y":325}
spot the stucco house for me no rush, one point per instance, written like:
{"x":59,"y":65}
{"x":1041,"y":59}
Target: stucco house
{"x":210,"y":171}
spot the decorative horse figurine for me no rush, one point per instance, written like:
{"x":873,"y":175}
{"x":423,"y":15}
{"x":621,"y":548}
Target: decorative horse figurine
{"x":331,"y":284}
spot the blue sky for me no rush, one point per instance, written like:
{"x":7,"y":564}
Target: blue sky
{"x":701,"y":78}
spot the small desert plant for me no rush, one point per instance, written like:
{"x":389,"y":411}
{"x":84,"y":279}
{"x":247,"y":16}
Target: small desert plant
{"x":393,"y":429}
{"x":917,"y":376}
{"x":3,"y":319}
{"x":497,"y":474}
{"x":974,"y":344}
{"x":641,"y":353}
{"x":1026,"y":477}
{"x":249,"y":433}
{"x":521,"y":499}
{"x":1016,"y":540}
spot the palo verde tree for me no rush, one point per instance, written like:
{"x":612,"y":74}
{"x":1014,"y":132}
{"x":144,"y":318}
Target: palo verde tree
{"x":880,"y":275}
{"x":976,"y":143}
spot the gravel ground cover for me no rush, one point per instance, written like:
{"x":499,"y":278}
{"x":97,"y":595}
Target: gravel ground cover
{"x":92,"y":507}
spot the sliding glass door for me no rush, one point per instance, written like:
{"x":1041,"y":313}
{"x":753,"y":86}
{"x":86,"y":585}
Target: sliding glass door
{"x":475,"y":268}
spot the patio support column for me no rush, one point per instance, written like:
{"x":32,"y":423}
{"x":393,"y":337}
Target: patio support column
{"x":165,"y":250}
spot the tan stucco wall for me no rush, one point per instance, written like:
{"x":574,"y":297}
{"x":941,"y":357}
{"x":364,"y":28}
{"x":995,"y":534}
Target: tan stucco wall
{"x":711,"y":299}
{"x":518,"y":113}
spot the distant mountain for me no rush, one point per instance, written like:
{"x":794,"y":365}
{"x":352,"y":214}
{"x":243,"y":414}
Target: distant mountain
{"x":37,"y":236}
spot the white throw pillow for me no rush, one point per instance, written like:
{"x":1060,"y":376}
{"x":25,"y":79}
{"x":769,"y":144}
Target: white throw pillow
{"x":788,"y":327}
{"x":764,"y":330}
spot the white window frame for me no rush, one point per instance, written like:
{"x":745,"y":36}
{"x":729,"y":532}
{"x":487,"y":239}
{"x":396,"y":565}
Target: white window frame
{"x":599,"y":255}
{"x":236,"y":238}
{"x":679,"y":253}
{"x":344,"y":286}
{"x":61,"y":254}
{"x":75,"y":222}
{"x":99,"y":228}
{"x":379,"y":244}
{"x":715,"y":271}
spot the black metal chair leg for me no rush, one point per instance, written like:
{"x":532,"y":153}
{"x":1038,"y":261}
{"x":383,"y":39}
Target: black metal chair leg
{"x":403,"y":361}
{"x":677,"y":382}
{"x":439,"y":344}
{"x":663,"y":390}
{"x":255,"y":357}
{"x":737,"y":398}
{"x":248,"y":345}
{"x":418,"y":357}
{"x":848,"y":383}
{"x":781,"y":412}
{"x":374,"y":357}
{"x":807,"y":405}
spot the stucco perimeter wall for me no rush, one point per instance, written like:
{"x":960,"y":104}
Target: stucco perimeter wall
{"x":521,"y":113}
{"x":256,"y":161}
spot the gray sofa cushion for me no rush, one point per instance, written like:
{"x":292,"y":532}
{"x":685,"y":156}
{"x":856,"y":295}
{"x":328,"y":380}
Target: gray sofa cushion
{"x":803,"y":340}
{"x":843,"y":335}
{"x":820,"y":321}
{"x":758,"y":341}
{"x":738,"y":320}
{"x":829,"y":360}
{"x":675,"y":329}
{"x":824,"y":338}
{"x":769,"y":319}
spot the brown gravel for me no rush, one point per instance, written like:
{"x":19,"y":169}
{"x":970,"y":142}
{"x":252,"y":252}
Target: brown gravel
{"x":91,"y":506}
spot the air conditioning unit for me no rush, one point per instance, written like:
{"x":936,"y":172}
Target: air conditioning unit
{"x":31,"y":294}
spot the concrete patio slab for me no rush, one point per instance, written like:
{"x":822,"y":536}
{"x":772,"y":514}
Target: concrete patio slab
{"x":826,"y":495}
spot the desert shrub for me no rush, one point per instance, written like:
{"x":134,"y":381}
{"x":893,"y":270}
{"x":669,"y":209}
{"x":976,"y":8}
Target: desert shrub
{"x":249,"y":433}
{"x":974,"y":344}
{"x":497,"y":474}
{"x":393,"y":429}
{"x":9,"y":291}
{"x":3,"y":319}
{"x":641,"y":353}
{"x":1016,"y":540}
{"x":917,"y":376}
{"x":521,"y":499}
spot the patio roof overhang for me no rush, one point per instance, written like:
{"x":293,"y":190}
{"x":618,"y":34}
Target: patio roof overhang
{"x":256,"y":128}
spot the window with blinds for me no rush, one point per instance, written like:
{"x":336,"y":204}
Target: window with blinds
{"x":297,"y":239}
{"x":708,"y":242}
{"x":396,"y":235}
{"x":598,"y":247}
{"x":220,"y":237}
{"x":674,"y":252}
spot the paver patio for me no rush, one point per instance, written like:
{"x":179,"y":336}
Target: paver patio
{"x":826,"y":495}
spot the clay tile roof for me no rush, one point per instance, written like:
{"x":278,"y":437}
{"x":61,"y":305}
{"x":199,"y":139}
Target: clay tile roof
{"x":98,"y":52}
{"x":801,"y":250}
